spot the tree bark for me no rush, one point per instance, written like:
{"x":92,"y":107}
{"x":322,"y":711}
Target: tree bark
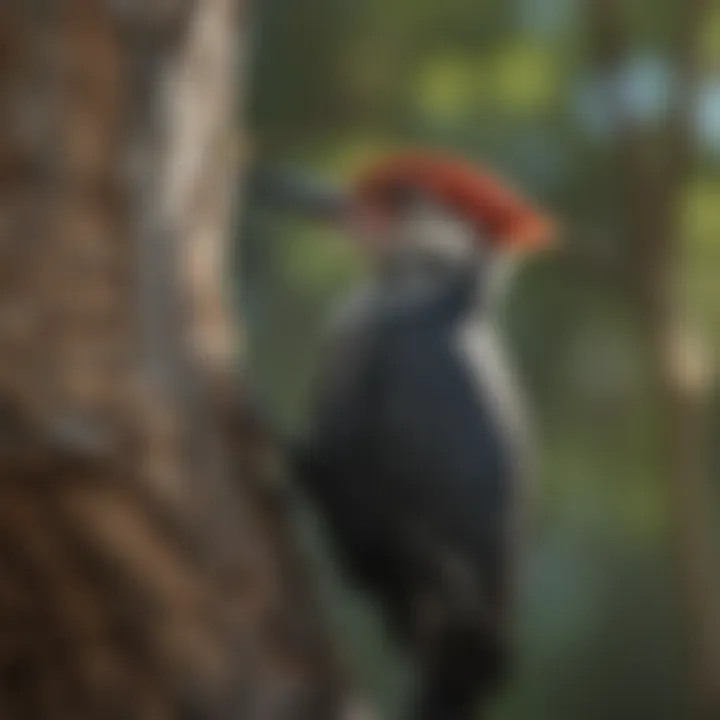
{"x":147,"y":568}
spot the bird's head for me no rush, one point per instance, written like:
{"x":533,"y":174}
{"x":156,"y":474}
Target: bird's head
{"x":426,"y":209}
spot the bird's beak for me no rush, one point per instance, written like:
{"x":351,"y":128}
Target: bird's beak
{"x":301,"y":196}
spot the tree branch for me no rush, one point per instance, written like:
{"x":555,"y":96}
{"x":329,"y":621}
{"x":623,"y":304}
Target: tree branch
{"x":688,"y":66}
{"x":636,"y":167}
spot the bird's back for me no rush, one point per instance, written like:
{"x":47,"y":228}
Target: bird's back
{"x":440,"y":450}
{"x":408,"y":437}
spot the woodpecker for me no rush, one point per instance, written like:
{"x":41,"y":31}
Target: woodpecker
{"x":418,"y":446}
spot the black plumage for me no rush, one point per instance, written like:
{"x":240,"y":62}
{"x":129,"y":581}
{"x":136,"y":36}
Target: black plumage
{"x":412,"y":471}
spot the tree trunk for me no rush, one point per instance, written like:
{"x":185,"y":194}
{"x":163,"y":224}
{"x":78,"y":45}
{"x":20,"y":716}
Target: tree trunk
{"x":146,"y":570}
{"x":686,"y":381}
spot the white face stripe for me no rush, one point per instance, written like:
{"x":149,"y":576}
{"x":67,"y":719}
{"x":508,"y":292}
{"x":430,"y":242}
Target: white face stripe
{"x":479,"y":346}
{"x":429,"y":230}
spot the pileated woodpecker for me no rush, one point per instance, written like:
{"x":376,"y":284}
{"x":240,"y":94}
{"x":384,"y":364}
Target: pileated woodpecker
{"x":417,"y":449}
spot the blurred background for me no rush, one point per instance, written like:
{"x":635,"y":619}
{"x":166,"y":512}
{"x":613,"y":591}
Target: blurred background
{"x":609,"y":115}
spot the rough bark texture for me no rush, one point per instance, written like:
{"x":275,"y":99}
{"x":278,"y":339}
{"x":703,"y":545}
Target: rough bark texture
{"x":146,"y":570}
